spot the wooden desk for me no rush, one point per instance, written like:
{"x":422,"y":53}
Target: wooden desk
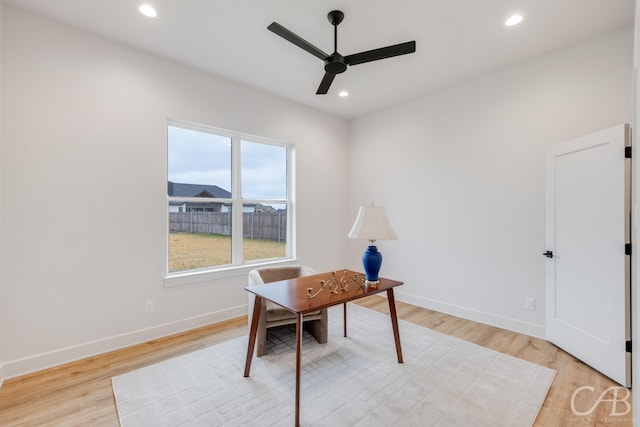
{"x":292,"y":294}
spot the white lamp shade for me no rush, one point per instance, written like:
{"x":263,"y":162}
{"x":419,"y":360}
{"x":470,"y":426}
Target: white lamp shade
{"x":372,"y":223}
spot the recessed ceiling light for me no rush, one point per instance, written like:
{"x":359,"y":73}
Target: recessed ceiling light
{"x":148,"y":10}
{"x":513,"y":20}
{"x":343,"y":93}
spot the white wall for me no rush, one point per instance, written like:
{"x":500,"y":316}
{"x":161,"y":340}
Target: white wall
{"x":84,"y":134}
{"x":461,"y":172}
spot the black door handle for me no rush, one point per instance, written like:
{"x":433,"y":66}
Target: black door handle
{"x":548,"y":254}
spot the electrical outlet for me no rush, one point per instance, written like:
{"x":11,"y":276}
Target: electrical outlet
{"x":530,"y":303}
{"x":148,"y":307}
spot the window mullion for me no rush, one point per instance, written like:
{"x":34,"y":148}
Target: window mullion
{"x":236,"y":194}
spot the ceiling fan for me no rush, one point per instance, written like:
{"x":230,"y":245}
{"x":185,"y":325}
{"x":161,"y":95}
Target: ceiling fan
{"x":336,"y":63}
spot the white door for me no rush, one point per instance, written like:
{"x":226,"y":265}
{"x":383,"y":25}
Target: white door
{"x":587,"y":271}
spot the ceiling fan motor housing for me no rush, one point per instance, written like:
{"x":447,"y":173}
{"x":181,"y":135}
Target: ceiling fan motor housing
{"x":335,"y":64}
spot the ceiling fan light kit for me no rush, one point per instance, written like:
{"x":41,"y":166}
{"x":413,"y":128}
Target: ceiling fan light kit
{"x":336,"y":63}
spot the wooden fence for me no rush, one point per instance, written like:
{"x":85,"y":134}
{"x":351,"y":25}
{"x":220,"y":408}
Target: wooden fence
{"x":255,"y":225}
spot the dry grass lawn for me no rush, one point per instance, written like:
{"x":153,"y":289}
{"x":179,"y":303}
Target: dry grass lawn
{"x":190,"y":250}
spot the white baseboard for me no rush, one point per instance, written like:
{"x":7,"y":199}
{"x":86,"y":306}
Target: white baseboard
{"x":50,"y":359}
{"x":515,"y":325}
{"x":1,"y":375}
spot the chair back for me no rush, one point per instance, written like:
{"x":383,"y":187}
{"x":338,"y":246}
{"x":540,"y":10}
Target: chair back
{"x":263,"y":275}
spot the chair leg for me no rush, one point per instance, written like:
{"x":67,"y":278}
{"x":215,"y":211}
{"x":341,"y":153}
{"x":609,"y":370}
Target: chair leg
{"x":261,"y":337}
{"x":318,"y":328}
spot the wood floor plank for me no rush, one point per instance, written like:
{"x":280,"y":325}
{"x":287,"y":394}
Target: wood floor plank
{"x":80,"y":394}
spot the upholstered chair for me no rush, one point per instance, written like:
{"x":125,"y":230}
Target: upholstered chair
{"x":272,"y":315}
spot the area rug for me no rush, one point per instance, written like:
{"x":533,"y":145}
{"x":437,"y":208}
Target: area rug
{"x":354,"y":381}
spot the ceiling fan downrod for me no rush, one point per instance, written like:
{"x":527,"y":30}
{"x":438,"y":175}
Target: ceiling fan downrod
{"x":335,"y":63}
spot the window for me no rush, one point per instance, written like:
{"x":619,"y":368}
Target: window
{"x":229,"y":199}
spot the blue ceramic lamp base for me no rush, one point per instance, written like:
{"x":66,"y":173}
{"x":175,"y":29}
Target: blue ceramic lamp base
{"x":371,"y":261}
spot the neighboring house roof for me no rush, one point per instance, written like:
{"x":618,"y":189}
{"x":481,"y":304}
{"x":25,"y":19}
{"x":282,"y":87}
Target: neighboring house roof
{"x":176,"y":189}
{"x":262,"y":208}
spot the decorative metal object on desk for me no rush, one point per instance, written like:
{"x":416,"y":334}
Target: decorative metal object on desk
{"x":334,"y":284}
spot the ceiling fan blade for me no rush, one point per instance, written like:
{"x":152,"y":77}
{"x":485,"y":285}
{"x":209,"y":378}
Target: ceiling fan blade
{"x":293,"y":38}
{"x":325,"y":84}
{"x":381,"y":53}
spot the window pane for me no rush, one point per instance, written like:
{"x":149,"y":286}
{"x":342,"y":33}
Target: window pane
{"x":200,"y":162}
{"x":200,"y":237}
{"x":264,"y":171}
{"x":199,"y":165}
{"x":265,"y":231}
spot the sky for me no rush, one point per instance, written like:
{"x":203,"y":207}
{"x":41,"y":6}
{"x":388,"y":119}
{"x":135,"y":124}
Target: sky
{"x":197,"y":157}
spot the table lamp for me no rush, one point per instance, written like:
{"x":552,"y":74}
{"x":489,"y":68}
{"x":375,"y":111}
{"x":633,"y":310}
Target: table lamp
{"x":372,"y":224}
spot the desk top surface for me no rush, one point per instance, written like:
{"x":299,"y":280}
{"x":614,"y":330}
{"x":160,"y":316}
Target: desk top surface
{"x":327,"y":289}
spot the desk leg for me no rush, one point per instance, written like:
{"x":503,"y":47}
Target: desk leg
{"x":394,"y":322}
{"x":298,"y":359}
{"x":257,"y":304}
{"x":345,"y":319}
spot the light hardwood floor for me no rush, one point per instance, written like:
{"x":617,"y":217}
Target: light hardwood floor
{"x":80,"y":394}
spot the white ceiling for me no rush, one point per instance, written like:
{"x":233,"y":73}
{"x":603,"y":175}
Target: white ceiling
{"x":456,"y":39}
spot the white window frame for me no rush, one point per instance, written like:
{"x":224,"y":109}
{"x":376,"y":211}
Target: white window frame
{"x":237,"y":265}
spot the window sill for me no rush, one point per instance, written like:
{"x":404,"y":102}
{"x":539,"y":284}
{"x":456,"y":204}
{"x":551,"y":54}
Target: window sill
{"x":201,"y":276}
